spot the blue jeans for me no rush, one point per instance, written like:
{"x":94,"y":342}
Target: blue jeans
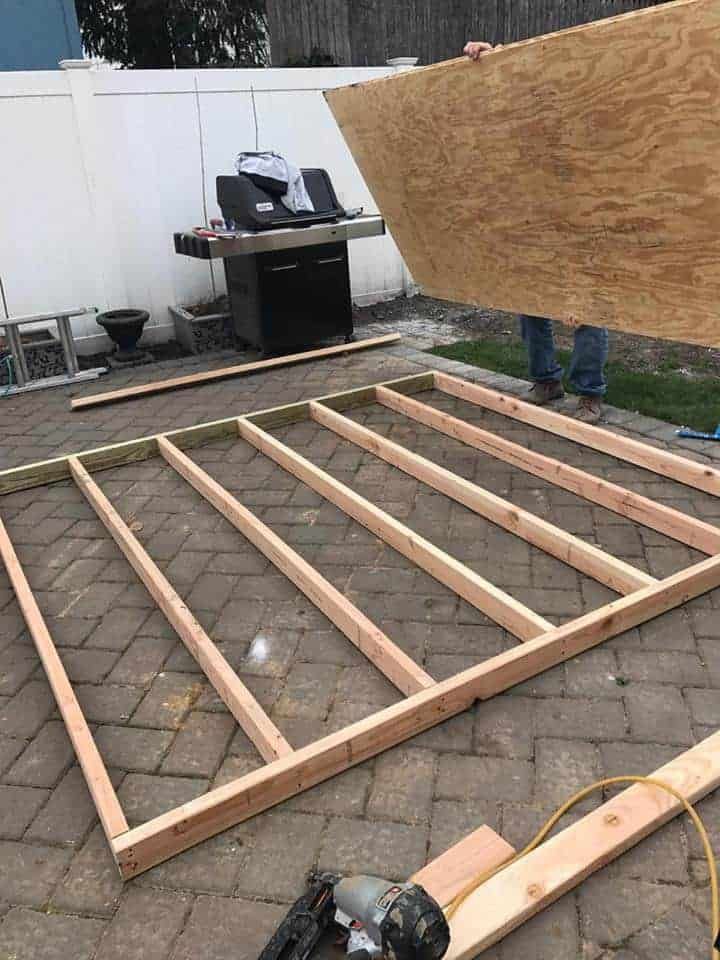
{"x":587,"y":367}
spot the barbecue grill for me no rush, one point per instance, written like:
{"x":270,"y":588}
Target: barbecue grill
{"x":288,"y":275}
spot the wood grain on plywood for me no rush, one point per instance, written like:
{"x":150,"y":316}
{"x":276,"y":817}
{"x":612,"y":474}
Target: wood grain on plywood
{"x":573,"y":176}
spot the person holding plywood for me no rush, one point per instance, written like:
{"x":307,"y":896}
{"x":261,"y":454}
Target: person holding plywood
{"x":590,"y":350}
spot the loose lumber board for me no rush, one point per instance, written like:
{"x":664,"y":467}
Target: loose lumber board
{"x":96,"y":776}
{"x":574,"y":176}
{"x":240,"y":702}
{"x":155,"y":841}
{"x":450,"y":873}
{"x":239,"y":370}
{"x":614,"y":573}
{"x":397,"y":666}
{"x":524,"y":888}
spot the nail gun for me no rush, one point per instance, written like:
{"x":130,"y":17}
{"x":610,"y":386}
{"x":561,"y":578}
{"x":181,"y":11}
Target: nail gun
{"x":378,"y":920}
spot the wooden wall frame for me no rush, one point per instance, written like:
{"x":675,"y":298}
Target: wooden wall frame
{"x":287,"y":771}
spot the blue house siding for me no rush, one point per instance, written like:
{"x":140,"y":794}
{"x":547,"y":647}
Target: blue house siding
{"x":36,"y":34}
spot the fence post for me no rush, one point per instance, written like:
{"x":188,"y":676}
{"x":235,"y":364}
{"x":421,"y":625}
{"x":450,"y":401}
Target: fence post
{"x":80,"y":81}
{"x":402,"y":65}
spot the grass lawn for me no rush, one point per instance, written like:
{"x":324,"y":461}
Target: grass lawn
{"x":687,"y":401}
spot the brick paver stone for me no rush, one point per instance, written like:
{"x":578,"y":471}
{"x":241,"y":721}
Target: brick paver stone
{"x":68,"y":814}
{"x":130,"y":937}
{"x":25,"y":713}
{"x":199,"y":747}
{"x":30,"y":935}
{"x":216,"y":922}
{"x":132,"y":749}
{"x":30,"y":871}
{"x":45,"y":759}
{"x":18,"y":807}
{"x":92,"y":884}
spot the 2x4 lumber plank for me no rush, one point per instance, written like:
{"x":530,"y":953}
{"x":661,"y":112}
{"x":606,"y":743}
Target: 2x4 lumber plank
{"x":450,"y":873}
{"x":524,"y":888}
{"x":96,"y":776}
{"x":168,"y":834}
{"x":663,"y":462}
{"x":130,"y":451}
{"x":679,"y":526}
{"x":397,"y":666}
{"x":239,"y":370}
{"x":497,"y":604}
{"x":614,"y":573}
{"x":244,"y":707}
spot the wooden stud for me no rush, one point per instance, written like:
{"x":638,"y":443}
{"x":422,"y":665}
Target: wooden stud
{"x":96,"y":776}
{"x":614,"y":573}
{"x":292,"y":772}
{"x":397,"y":666}
{"x":695,"y":533}
{"x":168,"y":834}
{"x":697,"y":475}
{"x":524,"y":888}
{"x":243,"y":369}
{"x":497,"y":604}
{"x":241,"y":703}
{"x":130,"y":451}
{"x":450,"y":873}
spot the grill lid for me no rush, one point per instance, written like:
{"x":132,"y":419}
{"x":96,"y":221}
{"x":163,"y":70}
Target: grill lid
{"x":248,"y":207}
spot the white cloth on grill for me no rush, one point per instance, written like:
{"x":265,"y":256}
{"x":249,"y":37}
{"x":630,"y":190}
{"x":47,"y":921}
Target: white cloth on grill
{"x":296,"y":198}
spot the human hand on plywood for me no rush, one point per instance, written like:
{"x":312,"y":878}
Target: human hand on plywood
{"x":476,"y":48}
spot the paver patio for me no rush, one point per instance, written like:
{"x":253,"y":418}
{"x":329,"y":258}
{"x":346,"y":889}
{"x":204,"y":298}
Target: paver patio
{"x":626,"y":707}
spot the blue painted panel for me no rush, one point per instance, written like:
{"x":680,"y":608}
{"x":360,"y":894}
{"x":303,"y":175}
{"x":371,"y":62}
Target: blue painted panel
{"x":36,"y":34}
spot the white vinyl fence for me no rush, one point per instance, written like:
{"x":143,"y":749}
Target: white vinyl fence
{"x":99,"y":167}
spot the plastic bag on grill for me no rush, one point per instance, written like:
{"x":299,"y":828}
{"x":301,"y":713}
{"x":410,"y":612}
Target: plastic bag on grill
{"x":277,"y":176}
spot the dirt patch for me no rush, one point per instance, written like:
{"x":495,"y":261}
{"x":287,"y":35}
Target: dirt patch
{"x":642,"y":354}
{"x":210,"y":307}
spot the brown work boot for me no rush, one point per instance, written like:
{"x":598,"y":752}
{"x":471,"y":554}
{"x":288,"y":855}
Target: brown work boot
{"x":589,"y":409}
{"x":543,"y":392}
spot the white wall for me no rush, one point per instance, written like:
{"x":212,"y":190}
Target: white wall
{"x":98,"y":168}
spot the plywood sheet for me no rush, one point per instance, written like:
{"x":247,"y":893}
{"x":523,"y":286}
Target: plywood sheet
{"x":575,"y":176}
